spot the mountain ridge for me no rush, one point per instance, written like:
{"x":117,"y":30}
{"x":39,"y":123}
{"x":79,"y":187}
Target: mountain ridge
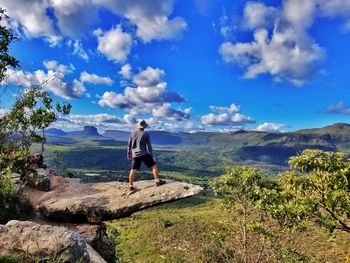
{"x":341,"y":127}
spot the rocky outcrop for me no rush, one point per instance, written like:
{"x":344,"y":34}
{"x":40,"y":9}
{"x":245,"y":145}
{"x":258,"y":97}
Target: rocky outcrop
{"x":37,"y":161}
{"x":90,"y":131}
{"x":37,"y":242}
{"x":73,"y":201}
{"x":36,"y":174}
{"x":40,"y":179}
{"x":72,"y":204}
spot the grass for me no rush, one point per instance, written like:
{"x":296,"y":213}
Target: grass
{"x":199,"y":229}
{"x":170,"y":233}
{"x":12,"y":259}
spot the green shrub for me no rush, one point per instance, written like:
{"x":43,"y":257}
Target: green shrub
{"x":318,"y":189}
{"x":13,"y":204}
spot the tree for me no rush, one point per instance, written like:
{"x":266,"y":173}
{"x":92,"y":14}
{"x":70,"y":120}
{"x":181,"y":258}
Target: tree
{"x":6,"y":37}
{"x":31,"y":113}
{"x":318,"y":189}
{"x":247,"y":191}
{"x":19,"y":129}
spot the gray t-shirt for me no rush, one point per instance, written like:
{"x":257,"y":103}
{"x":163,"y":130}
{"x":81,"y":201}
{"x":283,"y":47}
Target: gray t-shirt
{"x":139,"y":144}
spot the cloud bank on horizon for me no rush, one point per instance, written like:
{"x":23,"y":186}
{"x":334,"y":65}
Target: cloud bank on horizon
{"x":121,"y":60}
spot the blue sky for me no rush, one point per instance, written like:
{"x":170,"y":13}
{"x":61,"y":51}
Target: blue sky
{"x":186,"y":65}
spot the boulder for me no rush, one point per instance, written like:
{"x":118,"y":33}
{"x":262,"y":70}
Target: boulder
{"x":39,"y":179}
{"x":37,"y":242}
{"x":37,"y":160}
{"x":96,"y":236}
{"x":76,"y":202}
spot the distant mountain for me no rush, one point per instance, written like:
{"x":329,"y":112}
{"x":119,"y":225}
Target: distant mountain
{"x":330,"y":136}
{"x":157,"y":137}
{"x":246,"y":147}
{"x":88,"y":131}
{"x":117,"y":135}
{"x":338,"y":128}
{"x":165,"y":138}
{"x":55,"y":132}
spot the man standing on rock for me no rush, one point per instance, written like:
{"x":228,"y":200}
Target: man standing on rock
{"x":140,"y":150}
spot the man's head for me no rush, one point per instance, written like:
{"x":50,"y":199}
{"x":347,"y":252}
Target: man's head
{"x":142,"y":124}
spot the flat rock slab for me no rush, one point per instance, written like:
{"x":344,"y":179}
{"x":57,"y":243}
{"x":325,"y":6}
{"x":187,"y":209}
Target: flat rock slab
{"x":76,"y":202}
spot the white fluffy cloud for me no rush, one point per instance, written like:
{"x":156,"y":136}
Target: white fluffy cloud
{"x":31,"y":17}
{"x":332,"y":8}
{"x":151,"y":18}
{"x":225,"y":116}
{"x":147,"y":94}
{"x":159,"y":27}
{"x":233,"y":108}
{"x":79,"y":50}
{"x":125,"y":71}
{"x":102,"y":121}
{"x":339,"y":108}
{"x":53,"y":79}
{"x":286,"y":56}
{"x":93,"y":119}
{"x":272,"y":127}
{"x":95,"y":79}
{"x":55,"y":19}
{"x":114,"y":44}
{"x":166,"y":111}
{"x":257,"y":14}
{"x":282,"y":45}
{"x":106,"y":121}
{"x":74,"y":17}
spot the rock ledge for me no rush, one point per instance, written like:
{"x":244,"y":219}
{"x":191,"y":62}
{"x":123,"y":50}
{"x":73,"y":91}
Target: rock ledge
{"x":76,"y":202}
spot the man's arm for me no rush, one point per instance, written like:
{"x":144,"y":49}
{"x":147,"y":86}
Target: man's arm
{"x":129,"y":155}
{"x":149,"y":145}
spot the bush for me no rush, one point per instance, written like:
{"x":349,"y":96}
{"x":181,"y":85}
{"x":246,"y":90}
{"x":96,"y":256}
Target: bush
{"x":318,"y":189}
{"x":13,"y":204}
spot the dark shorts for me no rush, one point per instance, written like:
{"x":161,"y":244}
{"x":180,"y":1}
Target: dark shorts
{"x":147,"y":159}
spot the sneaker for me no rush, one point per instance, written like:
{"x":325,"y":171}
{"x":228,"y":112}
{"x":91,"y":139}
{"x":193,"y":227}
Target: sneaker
{"x":161,"y":182}
{"x":131,"y":189}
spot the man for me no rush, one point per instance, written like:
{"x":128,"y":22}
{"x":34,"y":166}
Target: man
{"x":140,"y":150}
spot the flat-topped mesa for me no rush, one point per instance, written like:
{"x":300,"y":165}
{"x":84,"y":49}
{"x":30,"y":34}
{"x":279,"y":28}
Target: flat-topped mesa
{"x":76,"y":202}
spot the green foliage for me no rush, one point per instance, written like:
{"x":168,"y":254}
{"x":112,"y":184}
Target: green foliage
{"x":6,"y":37}
{"x":198,"y":229}
{"x":318,"y":190}
{"x":13,"y":205}
{"x":12,"y":259}
{"x":247,"y":190}
{"x":174,"y":232}
{"x":32,"y":112}
{"x":13,"y":161}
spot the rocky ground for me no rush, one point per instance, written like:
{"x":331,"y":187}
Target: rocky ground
{"x":69,"y":222}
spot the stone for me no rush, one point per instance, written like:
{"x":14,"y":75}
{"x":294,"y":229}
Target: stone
{"x":96,"y":236}
{"x":37,"y":160}
{"x":37,"y":242}
{"x":39,"y":179}
{"x":76,"y":202}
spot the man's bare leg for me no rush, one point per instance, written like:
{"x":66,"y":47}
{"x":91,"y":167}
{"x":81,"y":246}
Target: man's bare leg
{"x":156,"y":176}
{"x":155,"y":173}
{"x":132,"y":176}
